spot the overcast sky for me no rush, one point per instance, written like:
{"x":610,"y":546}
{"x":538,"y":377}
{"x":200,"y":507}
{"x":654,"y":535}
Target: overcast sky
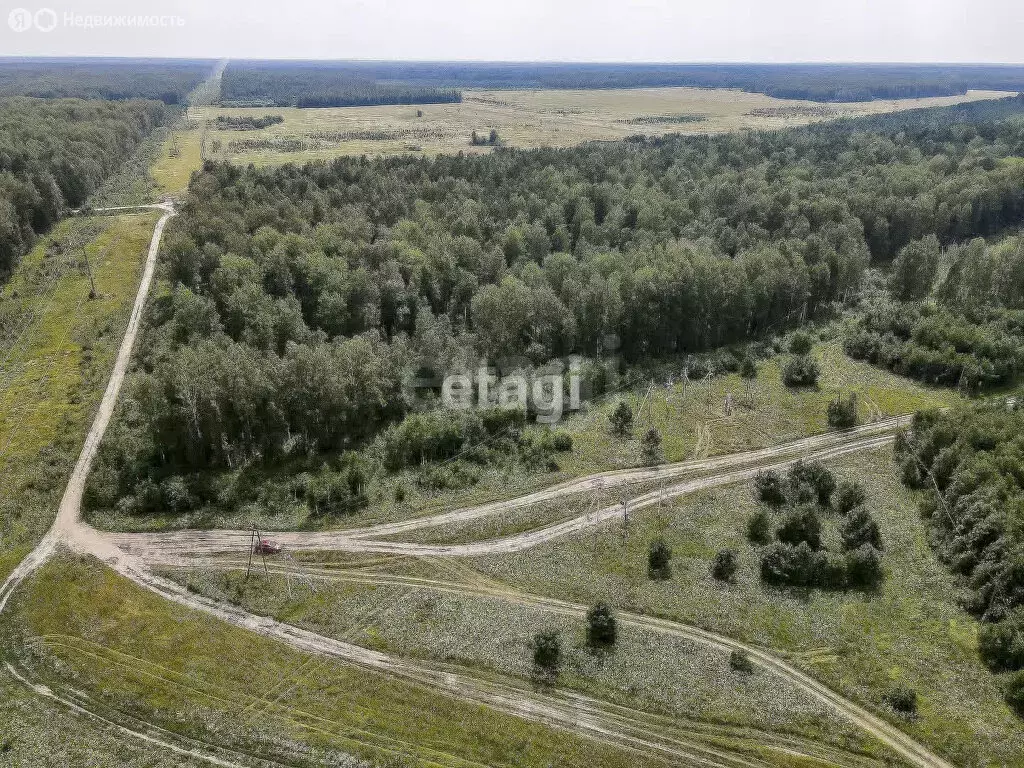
{"x":531,"y":30}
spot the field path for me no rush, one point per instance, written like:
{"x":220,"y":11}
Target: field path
{"x":131,"y":555}
{"x":67,"y":524}
{"x":182,"y":547}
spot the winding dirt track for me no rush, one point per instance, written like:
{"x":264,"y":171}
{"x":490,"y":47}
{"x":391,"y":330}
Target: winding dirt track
{"x":132,"y":556}
{"x":183,"y":547}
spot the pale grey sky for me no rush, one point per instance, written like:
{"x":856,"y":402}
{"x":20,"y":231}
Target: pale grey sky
{"x":531,"y":30}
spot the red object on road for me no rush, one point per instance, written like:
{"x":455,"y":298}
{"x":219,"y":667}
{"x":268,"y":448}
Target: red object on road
{"x":267,"y":547}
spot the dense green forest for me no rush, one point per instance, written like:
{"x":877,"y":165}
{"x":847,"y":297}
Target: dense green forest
{"x":169,"y":81}
{"x":303,"y":298}
{"x":965,"y":329}
{"x":54,"y":154}
{"x":283,"y":83}
{"x":969,"y":464}
{"x":246,"y":122}
{"x":288,"y":84}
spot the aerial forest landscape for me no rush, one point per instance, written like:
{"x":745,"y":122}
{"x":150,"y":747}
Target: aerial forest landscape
{"x":442,"y":385}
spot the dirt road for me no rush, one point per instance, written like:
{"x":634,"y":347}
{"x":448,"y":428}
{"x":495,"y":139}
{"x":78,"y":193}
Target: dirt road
{"x":182,"y":547}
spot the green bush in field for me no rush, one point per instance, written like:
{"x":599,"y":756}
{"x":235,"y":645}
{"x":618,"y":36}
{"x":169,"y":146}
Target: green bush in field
{"x":622,"y":420}
{"x":801,"y":371}
{"x":659,"y":560}
{"x":547,"y":652}
{"x":602,"y":628}
{"x":725,"y":565}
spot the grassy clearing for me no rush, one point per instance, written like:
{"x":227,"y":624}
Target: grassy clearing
{"x":522,"y":119}
{"x":648,"y":672}
{"x":690,"y":428}
{"x":35,"y":733}
{"x":911,"y":632}
{"x":201,"y":678}
{"x":180,"y":155}
{"x":694,"y":424}
{"x":133,"y":184}
{"x":56,"y":349}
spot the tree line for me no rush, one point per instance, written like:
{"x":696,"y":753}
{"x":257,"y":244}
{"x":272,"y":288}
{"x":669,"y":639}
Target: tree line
{"x":815,"y":82}
{"x":54,"y":154}
{"x":169,"y":81}
{"x":967,"y":463}
{"x":319,"y":85}
{"x":247,"y":122}
{"x":963,"y":330}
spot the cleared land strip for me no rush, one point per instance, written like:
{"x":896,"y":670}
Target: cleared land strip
{"x":182,"y":547}
{"x":71,"y":504}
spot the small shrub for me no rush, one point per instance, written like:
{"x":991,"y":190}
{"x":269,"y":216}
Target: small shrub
{"x":740,"y":661}
{"x":659,"y":565}
{"x":748,"y":368}
{"x":860,"y":529}
{"x":400,"y":493}
{"x":759,"y":529}
{"x":769,"y":487}
{"x":799,"y":566}
{"x":849,"y":495}
{"x":903,"y":700}
{"x":801,"y":343}
{"x":562,"y":442}
{"x":650,"y":449}
{"x":622,"y":420}
{"x":1015,"y":693}
{"x":814,"y":475}
{"x":1001,"y":645}
{"x":801,"y":525}
{"x":801,"y":371}
{"x":547,"y":652}
{"x":864,"y":567}
{"x":725,"y":565}
{"x":602,"y":629}
{"x":842,"y":414}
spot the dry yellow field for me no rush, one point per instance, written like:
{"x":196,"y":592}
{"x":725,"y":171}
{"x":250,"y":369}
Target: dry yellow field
{"x":553,"y":118}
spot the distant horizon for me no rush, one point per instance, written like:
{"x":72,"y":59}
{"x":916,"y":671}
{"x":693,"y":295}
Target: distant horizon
{"x":651,"y":62}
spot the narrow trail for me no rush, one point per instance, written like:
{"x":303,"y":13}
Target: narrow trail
{"x":132,"y":556}
{"x":156,"y":737}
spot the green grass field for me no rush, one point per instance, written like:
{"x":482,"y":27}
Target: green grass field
{"x":692,"y":425}
{"x":653,"y":673}
{"x":550,"y":118}
{"x":912,"y":632}
{"x":133,"y":656}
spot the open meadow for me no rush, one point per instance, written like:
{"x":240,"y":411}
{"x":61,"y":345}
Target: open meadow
{"x":523,"y":119}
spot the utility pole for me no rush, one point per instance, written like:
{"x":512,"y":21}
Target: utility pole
{"x":88,"y":268}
